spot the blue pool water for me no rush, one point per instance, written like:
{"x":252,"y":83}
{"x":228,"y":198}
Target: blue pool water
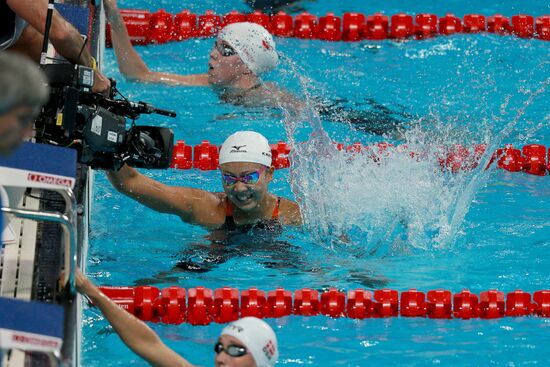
{"x":477,"y":230}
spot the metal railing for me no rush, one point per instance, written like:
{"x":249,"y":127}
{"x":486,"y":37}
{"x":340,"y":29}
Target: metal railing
{"x":67,"y":220}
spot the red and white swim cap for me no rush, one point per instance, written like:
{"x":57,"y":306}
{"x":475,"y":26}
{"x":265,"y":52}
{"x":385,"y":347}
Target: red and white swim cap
{"x":258,"y":337}
{"x":254,"y":45}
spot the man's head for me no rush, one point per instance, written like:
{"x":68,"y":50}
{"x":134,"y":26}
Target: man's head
{"x":245,"y":164}
{"x":247,"y":342}
{"x":241,"y":50}
{"x":23,"y":90}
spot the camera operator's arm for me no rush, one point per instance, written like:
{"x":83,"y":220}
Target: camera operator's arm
{"x":64,"y":37}
{"x":134,"y":333}
{"x":131,"y":65}
{"x":191,"y":205}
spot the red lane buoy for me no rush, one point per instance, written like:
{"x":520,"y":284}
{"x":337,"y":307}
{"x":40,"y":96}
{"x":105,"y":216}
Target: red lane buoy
{"x":541,"y":303}
{"x":173,"y":302}
{"x":413,"y":303}
{"x":226,"y":305}
{"x":306,"y":302}
{"x":137,"y":25}
{"x":233,"y":17}
{"x":439,"y":304}
{"x":279,"y":155}
{"x":491,"y":304}
{"x":426,"y":25}
{"x":199,"y":306}
{"x":450,"y":24}
{"x":523,"y":25}
{"x":465,"y":305}
{"x":160,"y":27}
{"x":518,"y":303}
{"x":510,"y":158}
{"x":144,"y":303}
{"x":333,"y":303}
{"x":535,"y":159}
{"x":376,"y":27}
{"x":352,"y":24}
{"x":359,"y":304}
{"x":205,"y":156}
{"x":259,"y":18}
{"x":209,"y":24}
{"x":282,"y":25}
{"x":185,"y":25}
{"x":329,"y":28}
{"x":279,"y":303}
{"x":182,"y":156}
{"x":253,"y":303}
{"x":401,"y":26}
{"x":498,"y":23}
{"x":542,"y":27}
{"x":386,"y":303}
{"x":474,"y":23}
{"x":305,"y":25}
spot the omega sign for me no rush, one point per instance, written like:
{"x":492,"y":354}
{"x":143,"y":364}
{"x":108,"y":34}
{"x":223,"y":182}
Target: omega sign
{"x":49,"y":180}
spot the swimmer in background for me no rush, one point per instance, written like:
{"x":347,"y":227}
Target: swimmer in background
{"x":248,"y":342}
{"x":245,"y":204}
{"x":242,"y":52}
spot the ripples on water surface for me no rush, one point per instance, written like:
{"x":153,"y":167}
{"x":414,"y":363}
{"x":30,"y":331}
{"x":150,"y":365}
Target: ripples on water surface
{"x":407,"y":224}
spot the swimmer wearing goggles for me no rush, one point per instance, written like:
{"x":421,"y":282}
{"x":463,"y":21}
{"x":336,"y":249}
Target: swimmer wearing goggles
{"x":246,"y":171}
{"x":247,"y":342}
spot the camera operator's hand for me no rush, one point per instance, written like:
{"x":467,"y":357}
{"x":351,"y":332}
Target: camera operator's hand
{"x":101,"y":83}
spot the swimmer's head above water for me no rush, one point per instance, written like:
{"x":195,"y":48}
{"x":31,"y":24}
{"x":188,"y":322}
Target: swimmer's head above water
{"x":247,"y":342}
{"x":245,"y":165}
{"x":242,"y":50}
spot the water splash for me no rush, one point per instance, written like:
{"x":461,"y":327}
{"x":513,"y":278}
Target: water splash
{"x":378,"y":203}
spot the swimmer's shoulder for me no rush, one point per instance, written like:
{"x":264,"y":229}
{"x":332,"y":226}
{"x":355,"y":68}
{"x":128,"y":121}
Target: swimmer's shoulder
{"x":211,"y":212}
{"x":290,"y":213}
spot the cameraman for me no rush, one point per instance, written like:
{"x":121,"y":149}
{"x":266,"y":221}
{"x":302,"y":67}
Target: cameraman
{"x":22,"y":24}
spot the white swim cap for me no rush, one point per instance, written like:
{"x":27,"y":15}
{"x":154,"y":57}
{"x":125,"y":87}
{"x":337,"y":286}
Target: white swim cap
{"x":246,"y":146}
{"x":253,"y":43}
{"x":258,"y":337}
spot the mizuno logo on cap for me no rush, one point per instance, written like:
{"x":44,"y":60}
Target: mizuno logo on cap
{"x":237,"y":149}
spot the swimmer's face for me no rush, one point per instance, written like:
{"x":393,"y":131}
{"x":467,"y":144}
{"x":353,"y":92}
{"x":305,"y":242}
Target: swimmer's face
{"x":246,"y":196}
{"x":225,"y":360}
{"x":15,"y":125}
{"x":225,"y":66}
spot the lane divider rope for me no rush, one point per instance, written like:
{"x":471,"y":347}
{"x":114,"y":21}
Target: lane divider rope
{"x":145,"y":27}
{"x":201,"y":306}
{"x":533,"y":159}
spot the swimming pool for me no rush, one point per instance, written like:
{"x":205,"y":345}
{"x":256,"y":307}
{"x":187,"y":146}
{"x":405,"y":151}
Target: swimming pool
{"x":475,"y":230}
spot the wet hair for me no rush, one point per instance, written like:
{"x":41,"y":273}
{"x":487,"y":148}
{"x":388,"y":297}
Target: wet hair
{"x":22,"y":83}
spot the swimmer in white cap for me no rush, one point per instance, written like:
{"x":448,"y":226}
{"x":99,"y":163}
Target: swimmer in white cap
{"x":247,"y":342}
{"x":246,"y":203}
{"x":241,"y":54}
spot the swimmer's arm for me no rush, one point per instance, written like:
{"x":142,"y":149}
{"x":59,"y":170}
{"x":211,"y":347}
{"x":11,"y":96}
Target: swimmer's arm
{"x":191,"y":205}
{"x":134,"y":333}
{"x":131,"y":65}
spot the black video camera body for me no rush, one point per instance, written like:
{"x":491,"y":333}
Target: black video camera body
{"x":95,"y":125}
